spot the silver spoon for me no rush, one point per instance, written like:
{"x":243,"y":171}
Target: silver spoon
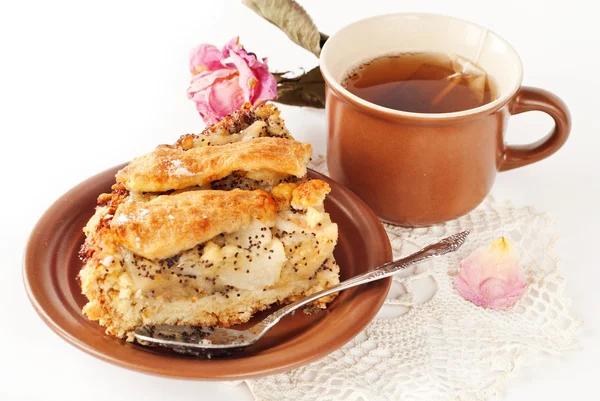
{"x":214,"y":341}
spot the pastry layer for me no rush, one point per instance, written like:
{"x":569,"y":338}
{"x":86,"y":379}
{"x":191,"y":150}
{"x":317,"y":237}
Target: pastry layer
{"x":168,"y":168}
{"x":168,"y":224}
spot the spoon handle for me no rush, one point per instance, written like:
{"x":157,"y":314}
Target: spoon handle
{"x":449,"y":244}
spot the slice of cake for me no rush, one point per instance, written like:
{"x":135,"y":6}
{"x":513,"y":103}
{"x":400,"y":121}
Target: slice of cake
{"x":209,"y":231}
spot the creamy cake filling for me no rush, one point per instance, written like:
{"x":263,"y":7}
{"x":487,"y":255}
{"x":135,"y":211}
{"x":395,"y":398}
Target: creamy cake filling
{"x":258,"y":129}
{"x":241,"y":126}
{"x":248,"y":180}
{"x":253,"y":258}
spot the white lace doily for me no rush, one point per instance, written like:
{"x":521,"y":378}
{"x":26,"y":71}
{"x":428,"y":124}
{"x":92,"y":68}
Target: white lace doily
{"x":428,"y":343}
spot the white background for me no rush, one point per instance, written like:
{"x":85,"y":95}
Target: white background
{"x":86,"y":85}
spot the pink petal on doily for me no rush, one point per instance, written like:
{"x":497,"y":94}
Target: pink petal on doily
{"x":491,"y":276}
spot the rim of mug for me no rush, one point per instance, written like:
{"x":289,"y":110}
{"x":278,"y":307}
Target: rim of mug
{"x":360,"y":102}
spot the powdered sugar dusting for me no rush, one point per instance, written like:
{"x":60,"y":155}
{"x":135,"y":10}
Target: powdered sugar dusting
{"x":123,"y":218}
{"x":178,"y":169}
{"x":183,"y":171}
{"x":107,"y":261}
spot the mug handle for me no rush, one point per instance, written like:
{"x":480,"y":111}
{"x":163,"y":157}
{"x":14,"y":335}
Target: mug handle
{"x":530,"y":99}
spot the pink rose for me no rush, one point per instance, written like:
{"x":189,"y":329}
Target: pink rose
{"x":223,"y":81}
{"x":490,"y":277}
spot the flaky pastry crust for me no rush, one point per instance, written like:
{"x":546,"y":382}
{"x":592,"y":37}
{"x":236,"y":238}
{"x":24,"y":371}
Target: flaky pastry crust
{"x":169,"y":168}
{"x":169,"y":224}
{"x":310,"y":193}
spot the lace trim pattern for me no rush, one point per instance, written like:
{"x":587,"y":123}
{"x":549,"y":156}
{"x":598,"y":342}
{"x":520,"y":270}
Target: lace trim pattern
{"x":428,"y":343}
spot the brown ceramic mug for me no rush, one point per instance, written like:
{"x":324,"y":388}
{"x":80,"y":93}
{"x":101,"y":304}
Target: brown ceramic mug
{"x":420,"y":169}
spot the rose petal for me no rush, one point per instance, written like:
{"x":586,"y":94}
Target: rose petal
{"x":223,"y":81}
{"x":247,"y":79}
{"x":201,"y":99}
{"x":226,"y":96}
{"x":232,"y":46}
{"x":200,"y":91}
{"x":491,"y":277}
{"x":203,"y":107}
{"x":465,"y":289}
{"x":267,"y":87}
{"x":205,"y":79}
{"x":499,"y":294}
{"x":258,"y":83}
{"x":205,"y":58}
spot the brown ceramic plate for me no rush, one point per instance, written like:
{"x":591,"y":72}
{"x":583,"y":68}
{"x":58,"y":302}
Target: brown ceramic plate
{"x":51,"y":266}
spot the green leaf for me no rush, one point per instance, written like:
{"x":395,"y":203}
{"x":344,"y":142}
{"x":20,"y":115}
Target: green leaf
{"x":292,"y":19}
{"x":305,"y":90}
